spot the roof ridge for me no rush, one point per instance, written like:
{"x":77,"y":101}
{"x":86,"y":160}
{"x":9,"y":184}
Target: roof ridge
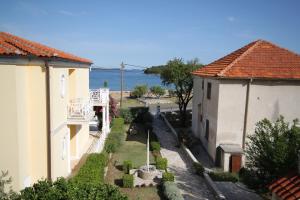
{"x":275,"y":45}
{"x":255,"y":44}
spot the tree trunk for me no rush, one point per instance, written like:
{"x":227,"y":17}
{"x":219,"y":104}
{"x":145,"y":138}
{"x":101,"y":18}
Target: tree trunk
{"x":183,"y":115}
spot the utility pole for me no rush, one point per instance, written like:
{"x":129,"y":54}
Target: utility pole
{"x":122,"y":77}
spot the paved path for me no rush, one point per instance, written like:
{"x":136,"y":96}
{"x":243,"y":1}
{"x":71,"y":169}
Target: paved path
{"x":234,"y":192}
{"x":192,"y":186}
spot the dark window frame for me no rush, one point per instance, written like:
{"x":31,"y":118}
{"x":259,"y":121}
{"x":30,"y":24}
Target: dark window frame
{"x":208,"y":92}
{"x":200,"y":112}
{"x":207,"y":129}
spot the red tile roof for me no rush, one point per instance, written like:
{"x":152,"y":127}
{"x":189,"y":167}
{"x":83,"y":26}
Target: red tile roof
{"x":259,"y":59}
{"x":287,"y":188}
{"x":17,"y":46}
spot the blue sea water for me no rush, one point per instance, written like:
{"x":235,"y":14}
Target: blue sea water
{"x":131,"y":79}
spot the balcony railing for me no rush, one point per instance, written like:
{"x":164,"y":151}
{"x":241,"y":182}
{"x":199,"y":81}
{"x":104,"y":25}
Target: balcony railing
{"x":99,"y":97}
{"x":80,"y":110}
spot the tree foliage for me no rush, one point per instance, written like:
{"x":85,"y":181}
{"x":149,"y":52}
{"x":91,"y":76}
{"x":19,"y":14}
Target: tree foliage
{"x":6,"y":191}
{"x":154,"y":69}
{"x":178,"y":73}
{"x":157,"y":91}
{"x":139,"y":91}
{"x":272,"y":151}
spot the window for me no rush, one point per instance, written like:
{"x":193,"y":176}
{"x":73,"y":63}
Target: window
{"x":199,"y":112}
{"x":202,"y":84}
{"x":62,"y":85}
{"x":207,"y":129}
{"x":208,"y":90}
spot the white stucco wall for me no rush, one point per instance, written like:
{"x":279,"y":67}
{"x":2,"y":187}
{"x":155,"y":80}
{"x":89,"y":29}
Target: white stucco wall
{"x":226,"y":108}
{"x":267,"y":99}
{"x":270,"y":99}
{"x":231,"y":111}
{"x":209,"y":110}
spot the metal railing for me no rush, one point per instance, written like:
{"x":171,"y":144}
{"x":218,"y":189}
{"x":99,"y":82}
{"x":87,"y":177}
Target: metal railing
{"x":80,"y":109}
{"x":99,"y":97}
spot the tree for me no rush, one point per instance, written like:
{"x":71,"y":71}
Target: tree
{"x":157,"y":91}
{"x":139,"y":91}
{"x":272,"y":150}
{"x":178,"y":73}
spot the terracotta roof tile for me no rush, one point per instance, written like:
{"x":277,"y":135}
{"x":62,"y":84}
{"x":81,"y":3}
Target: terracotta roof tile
{"x":259,"y":59}
{"x":14,"y":45}
{"x":287,"y":188}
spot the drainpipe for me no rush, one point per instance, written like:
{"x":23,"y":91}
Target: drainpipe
{"x":246,"y":112}
{"x":48,"y":118}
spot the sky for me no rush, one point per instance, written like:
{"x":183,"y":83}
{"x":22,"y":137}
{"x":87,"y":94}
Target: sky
{"x":151,"y":32}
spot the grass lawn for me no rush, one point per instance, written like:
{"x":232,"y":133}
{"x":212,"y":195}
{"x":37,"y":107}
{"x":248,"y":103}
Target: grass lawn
{"x":134,"y":149}
{"x":128,"y":102}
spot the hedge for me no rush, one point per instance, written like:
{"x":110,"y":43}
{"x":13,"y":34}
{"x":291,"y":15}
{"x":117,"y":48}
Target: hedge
{"x":171,"y":191}
{"x":198,"y":168}
{"x":69,"y":190}
{"x":128,"y":181}
{"x":127,"y":166}
{"x":161,"y":163}
{"x":126,"y":114}
{"x":223,"y":176}
{"x":168,"y":176}
{"x":155,"y":146}
{"x":93,"y":169}
{"x":114,"y":139}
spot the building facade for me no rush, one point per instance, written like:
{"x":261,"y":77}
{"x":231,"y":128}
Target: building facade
{"x":260,"y":80}
{"x":45,"y":110}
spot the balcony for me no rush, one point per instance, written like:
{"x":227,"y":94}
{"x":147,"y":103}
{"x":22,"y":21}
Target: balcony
{"x":80,"y":110}
{"x":99,"y":97}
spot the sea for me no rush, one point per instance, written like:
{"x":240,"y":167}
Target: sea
{"x":131,"y":79}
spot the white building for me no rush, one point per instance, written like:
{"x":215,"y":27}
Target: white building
{"x":260,"y":80}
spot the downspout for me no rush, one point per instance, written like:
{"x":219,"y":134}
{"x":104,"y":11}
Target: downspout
{"x":246,"y":112}
{"x":48,"y":118}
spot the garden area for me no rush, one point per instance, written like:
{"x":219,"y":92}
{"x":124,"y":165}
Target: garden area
{"x":133,"y":149}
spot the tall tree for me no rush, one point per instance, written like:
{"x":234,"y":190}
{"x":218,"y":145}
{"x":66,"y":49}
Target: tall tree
{"x":178,"y":73}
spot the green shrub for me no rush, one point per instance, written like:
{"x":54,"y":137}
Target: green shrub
{"x":249,"y":178}
{"x":199,"y":168}
{"x":168,"y":176}
{"x":157,"y":91}
{"x":153,"y":137}
{"x":93,"y":169}
{"x":156,"y":154}
{"x":126,"y":114}
{"x":63,"y":189}
{"x":115,"y":138}
{"x":223,"y":176}
{"x":6,"y":191}
{"x":155,"y":146}
{"x":161,"y":163}
{"x":141,"y":115}
{"x":128,"y":181}
{"x":127,"y":166}
{"x":139,"y":91}
{"x":171,"y":191}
